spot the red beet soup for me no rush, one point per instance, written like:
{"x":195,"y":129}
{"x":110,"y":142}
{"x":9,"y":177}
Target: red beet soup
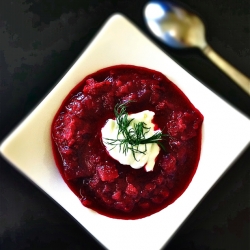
{"x":101,"y":182}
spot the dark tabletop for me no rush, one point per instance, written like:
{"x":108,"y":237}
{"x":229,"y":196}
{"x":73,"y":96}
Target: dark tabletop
{"x":39,"y":40}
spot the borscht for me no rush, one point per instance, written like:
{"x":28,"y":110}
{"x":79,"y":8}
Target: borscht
{"x":127,"y":141}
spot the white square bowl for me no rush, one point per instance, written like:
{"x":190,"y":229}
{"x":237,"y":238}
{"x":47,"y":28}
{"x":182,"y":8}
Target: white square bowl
{"x":225,"y":134}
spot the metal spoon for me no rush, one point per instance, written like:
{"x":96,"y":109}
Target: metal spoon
{"x":179,"y":29}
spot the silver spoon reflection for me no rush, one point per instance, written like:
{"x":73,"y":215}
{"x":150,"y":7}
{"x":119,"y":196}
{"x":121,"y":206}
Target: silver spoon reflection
{"x":179,"y":29}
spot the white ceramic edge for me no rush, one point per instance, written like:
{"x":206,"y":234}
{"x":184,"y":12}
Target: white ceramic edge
{"x":151,"y":232}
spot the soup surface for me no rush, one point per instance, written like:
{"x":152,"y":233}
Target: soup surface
{"x":103,"y":183}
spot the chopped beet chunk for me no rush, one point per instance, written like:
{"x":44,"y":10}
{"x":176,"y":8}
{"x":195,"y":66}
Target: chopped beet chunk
{"x":107,"y":173}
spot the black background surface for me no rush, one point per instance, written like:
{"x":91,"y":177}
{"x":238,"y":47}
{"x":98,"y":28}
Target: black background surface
{"x":39,"y":41}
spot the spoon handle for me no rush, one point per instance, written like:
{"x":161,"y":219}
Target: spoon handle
{"x":233,"y":73}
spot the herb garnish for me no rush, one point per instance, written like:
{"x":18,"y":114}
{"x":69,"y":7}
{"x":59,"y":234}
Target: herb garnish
{"x":133,"y":136}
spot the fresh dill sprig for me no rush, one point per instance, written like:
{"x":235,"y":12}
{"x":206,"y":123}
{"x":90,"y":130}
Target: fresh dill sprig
{"x":133,"y":136}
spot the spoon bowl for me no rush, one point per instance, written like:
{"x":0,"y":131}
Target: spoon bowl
{"x":175,"y":26}
{"x":179,"y":29}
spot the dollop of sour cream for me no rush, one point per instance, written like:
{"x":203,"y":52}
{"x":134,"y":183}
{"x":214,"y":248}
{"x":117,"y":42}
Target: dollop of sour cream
{"x":147,"y":159}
